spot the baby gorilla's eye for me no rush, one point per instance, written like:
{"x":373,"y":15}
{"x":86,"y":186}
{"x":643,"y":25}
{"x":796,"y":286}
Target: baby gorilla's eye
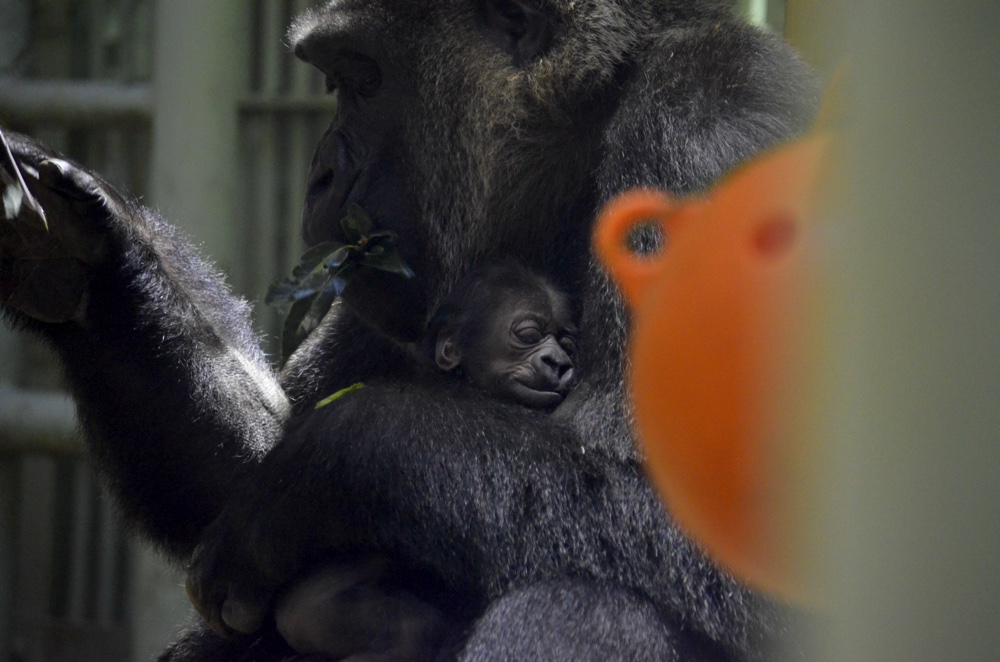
{"x":529,"y":334}
{"x":568,"y":344}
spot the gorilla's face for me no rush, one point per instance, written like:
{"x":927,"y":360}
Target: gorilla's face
{"x":452,"y":127}
{"x":523,"y":350}
{"x":366,"y":157}
{"x":363,"y":157}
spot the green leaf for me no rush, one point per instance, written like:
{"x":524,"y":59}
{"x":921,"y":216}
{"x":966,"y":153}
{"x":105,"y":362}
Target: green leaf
{"x":312,"y":283}
{"x":326,"y":270}
{"x":314,"y":258}
{"x":357,"y":224}
{"x":342,"y":278}
{"x":340,"y":256}
{"x":389,"y":261}
{"x":317,"y":311}
{"x":291,"y":335}
{"x":339,"y":394}
{"x":303,"y":317}
{"x":279,"y":294}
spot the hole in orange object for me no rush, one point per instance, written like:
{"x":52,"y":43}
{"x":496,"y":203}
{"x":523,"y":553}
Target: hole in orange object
{"x":646,"y":238}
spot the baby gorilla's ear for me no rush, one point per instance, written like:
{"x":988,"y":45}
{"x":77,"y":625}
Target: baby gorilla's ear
{"x":447,"y":353}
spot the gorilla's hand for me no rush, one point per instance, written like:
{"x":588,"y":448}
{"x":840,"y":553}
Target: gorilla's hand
{"x":45,"y":271}
{"x":349,"y":609}
{"x":225,"y":582}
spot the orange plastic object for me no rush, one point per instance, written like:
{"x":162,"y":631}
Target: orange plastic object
{"x":719,"y":354}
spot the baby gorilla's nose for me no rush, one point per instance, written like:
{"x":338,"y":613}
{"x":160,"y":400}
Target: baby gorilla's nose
{"x":558,"y":366}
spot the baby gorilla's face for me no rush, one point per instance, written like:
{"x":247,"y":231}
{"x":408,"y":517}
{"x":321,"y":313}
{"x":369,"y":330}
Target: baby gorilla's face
{"x":524,"y":351}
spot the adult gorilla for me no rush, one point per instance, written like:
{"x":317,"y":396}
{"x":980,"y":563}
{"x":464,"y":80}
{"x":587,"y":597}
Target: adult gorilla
{"x":476,"y":129}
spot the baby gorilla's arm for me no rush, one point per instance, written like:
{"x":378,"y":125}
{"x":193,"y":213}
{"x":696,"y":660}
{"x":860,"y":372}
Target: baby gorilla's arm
{"x":343,"y":609}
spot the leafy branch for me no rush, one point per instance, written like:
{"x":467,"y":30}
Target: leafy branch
{"x":326,"y":270}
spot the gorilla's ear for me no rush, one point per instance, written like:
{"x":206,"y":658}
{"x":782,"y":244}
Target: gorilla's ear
{"x":447,"y":353}
{"x":522,"y":28}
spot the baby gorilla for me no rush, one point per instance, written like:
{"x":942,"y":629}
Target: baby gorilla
{"x":508,"y":331}
{"x":503,"y":329}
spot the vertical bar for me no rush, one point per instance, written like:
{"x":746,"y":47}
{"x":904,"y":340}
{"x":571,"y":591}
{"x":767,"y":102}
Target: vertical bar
{"x":776,"y":15}
{"x":265,"y":132}
{"x":302,"y":140}
{"x":754,"y":10}
{"x":140,"y":30}
{"x":79,"y":543}
{"x":303,"y":77}
{"x":273,"y":25}
{"x":7,"y":538}
{"x":261,"y":192}
{"x":159,"y":612}
{"x":97,"y":15}
{"x":33,"y":573}
{"x":106,"y":580}
{"x":199,"y":76}
{"x":757,"y":11}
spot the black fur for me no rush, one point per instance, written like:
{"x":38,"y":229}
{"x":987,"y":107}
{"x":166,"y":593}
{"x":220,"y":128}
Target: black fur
{"x":540,"y":531}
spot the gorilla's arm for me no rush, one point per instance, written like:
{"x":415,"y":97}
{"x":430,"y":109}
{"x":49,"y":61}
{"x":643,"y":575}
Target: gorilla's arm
{"x":173,"y":394}
{"x":486,"y":496}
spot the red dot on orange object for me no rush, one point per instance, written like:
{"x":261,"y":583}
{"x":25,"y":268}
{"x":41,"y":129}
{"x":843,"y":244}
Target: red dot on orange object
{"x":774,"y":235}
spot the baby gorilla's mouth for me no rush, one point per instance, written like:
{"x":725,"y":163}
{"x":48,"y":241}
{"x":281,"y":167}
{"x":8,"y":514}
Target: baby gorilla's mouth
{"x":537,"y":398}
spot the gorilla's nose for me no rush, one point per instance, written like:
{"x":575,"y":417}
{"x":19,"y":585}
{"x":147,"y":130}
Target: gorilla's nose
{"x":566,"y":380}
{"x":559,"y":367}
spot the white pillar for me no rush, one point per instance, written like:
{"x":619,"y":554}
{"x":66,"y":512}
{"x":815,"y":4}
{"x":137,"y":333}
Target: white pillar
{"x":200,"y":70}
{"x":754,"y":10}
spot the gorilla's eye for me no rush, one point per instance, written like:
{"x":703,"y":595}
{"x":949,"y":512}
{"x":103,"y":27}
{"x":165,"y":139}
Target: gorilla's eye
{"x":513,"y":15}
{"x":529,"y":334}
{"x":369,"y":86}
{"x":568,"y":344}
{"x":522,"y":28}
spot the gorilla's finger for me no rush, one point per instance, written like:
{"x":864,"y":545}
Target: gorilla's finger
{"x":67,"y":179}
{"x":242,"y":617}
{"x":204,"y":609}
{"x":194,"y":596}
{"x":206,"y":597}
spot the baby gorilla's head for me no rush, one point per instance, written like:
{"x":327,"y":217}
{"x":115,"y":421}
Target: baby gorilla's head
{"x":509,"y":331}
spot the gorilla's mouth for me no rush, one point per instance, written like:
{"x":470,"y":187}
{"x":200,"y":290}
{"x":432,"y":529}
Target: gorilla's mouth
{"x":537,"y":398}
{"x":330,"y":189}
